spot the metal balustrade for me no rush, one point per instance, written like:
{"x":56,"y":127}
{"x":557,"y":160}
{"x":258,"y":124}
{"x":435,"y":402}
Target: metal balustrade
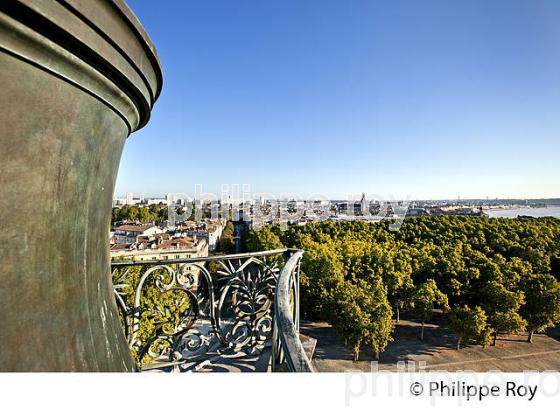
{"x":235,"y":312}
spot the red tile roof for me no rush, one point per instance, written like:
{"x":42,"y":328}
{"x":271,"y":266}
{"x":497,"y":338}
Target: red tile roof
{"x":179,"y":243}
{"x":120,"y":246}
{"x":133,"y":228}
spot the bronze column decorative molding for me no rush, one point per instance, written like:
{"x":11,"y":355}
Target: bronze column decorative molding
{"x":77,"y":77}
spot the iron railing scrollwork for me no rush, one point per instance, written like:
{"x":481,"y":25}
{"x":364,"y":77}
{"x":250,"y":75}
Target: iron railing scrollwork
{"x":189,"y":314}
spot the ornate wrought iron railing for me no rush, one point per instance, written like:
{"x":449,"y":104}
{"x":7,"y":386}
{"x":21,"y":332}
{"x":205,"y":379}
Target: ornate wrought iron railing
{"x":217,"y":313}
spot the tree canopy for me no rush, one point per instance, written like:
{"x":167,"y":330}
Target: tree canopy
{"x":495,"y":273}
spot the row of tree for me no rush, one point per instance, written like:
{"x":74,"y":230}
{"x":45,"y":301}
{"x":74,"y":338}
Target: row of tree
{"x":152,"y":213}
{"x":158,"y":213}
{"x":490,"y":276}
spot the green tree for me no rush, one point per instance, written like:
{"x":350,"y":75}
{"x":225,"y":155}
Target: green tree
{"x":425,"y":298}
{"x":502,"y":307}
{"x":363,"y":316}
{"x":144,"y":215}
{"x":262,"y":240}
{"x":394,"y":267}
{"x":542,"y":306}
{"x":322,"y":273}
{"x":226,"y":244}
{"x":469,"y":324}
{"x":132,"y":214}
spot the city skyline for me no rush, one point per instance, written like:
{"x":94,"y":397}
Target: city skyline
{"x":403,"y":100}
{"x":255,"y":196}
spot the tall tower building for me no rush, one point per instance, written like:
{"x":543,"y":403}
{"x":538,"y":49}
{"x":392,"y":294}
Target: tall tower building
{"x":363,"y":205}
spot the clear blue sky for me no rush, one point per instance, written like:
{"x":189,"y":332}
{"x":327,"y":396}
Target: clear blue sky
{"x":421,"y":99}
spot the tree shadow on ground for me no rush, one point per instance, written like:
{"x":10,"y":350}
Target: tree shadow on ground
{"x":406,"y":341}
{"x":554,"y":332}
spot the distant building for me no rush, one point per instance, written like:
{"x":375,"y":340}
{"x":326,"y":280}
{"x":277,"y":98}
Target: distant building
{"x":161,"y":249}
{"x":417,"y":212}
{"x":364,"y":209}
{"x":210,"y":231}
{"x":130,"y":233}
{"x":156,"y":201}
{"x":118,"y":202}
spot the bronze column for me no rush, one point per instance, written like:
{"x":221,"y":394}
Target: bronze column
{"x":77,"y":77}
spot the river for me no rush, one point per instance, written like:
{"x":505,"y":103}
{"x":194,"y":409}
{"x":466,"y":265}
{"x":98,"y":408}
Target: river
{"x":515,"y":212}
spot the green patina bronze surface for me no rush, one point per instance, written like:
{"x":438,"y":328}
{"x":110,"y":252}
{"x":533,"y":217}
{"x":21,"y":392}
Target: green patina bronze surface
{"x":77,"y":77}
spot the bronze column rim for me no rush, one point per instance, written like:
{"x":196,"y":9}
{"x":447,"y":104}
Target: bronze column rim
{"x":147,"y":41}
{"x":106,"y":36}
